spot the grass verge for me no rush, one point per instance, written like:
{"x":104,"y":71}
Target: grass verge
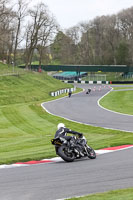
{"x":112,"y":195}
{"x":119,"y":101}
{"x":26,"y":129}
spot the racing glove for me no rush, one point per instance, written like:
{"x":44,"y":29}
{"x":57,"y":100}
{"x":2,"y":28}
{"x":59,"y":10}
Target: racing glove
{"x":80,"y":135}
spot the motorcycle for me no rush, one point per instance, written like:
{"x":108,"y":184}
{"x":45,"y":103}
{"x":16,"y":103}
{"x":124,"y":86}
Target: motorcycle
{"x":69,"y":94}
{"x":73,"y":149}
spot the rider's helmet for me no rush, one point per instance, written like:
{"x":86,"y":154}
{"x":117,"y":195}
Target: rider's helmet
{"x":61,"y":125}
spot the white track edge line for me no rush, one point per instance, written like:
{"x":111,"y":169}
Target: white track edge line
{"x":98,"y":102}
{"x":58,"y":159}
{"x":75,"y":120}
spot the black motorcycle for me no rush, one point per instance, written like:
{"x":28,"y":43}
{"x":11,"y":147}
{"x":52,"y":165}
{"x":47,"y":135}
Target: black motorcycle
{"x":73,"y":149}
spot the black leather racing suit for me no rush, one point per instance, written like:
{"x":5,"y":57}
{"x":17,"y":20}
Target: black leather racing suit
{"x":62,"y":132}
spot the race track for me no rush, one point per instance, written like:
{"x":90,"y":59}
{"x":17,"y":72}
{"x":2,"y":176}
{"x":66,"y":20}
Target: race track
{"x":84,"y":108}
{"x":61,"y":180}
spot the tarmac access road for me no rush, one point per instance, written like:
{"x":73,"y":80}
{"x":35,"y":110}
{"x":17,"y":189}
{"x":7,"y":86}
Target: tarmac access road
{"x":59,"y":180}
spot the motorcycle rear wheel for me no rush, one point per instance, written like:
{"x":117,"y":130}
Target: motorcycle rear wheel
{"x":63,"y":153}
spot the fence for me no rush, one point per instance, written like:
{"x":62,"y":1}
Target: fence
{"x":62,"y":91}
{"x":95,"y":77}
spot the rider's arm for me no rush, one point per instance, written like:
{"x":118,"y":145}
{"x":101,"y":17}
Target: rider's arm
{"x":74,"y":132}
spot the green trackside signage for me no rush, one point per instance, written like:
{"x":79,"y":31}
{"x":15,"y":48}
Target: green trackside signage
{"x":88,"y":68}
{"x":84,"y":68}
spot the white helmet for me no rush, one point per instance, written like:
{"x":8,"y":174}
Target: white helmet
{"x":61,"y":125}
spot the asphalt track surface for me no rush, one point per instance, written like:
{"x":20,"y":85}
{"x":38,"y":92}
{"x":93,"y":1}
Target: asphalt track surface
{"x":61,"y":180}
{"x":84,"y":108}
{"x":52,"y":181}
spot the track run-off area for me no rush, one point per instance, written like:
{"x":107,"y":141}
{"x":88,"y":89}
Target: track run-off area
{"x":59,"y":180}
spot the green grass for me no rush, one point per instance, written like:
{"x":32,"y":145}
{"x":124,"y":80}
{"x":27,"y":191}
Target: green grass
{"x":122,"y":88}
{"x":125,"y":194}
{"x":29,"y":87}
{"x":8,"y":69}
{"x":26,"y":129}
{"x":119,"y":101}
{"x":22,"y":131}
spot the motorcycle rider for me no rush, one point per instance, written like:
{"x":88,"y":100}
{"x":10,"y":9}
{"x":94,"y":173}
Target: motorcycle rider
{"x":70,"y":93}
{"x":62,"y":132}
{"x":89,"y":90}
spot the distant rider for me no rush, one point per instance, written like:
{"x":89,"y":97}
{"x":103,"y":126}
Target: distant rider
{"x":89,"y":90}
{"x":70,"y":93}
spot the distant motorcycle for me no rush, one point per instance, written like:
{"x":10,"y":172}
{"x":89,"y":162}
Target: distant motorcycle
{"x":89,"y":90}
{"x":69,"y":94}
{"x":73,"y":149}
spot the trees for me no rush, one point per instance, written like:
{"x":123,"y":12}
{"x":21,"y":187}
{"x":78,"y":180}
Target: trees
{"x":61,"y":48}
{"x":21,"y":12}
{"x":47,"y":32}
{"x":39,"y":31}
{"x":122,"y":54}
{"x":126,"y":29}
{"x":10,"y":26}
{"x":103,"y":40}
{"x":35,"y":34}
{"x":5,"y":30}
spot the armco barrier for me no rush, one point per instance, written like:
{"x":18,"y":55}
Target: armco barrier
{"x":57,"y":93}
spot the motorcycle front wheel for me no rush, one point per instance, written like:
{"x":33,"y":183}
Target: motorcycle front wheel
{"x":91,"y":153}
{"x":65,"y":154}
